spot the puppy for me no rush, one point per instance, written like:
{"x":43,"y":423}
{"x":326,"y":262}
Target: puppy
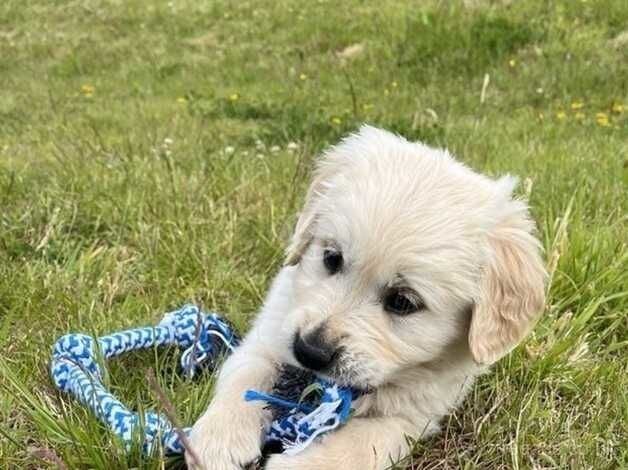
{"x":407,"y":275}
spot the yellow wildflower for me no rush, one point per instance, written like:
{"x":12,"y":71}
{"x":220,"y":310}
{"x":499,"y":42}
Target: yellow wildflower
{"x":618,"y":108}
{"x":336,"y":120}
{"x":561,"y":115}
{"x":602,"y":119}
{"x":577,"y":105}
{"x":182,"y":100}
{"x":394,"y":84}
{"x":367,"y":106}
{"x":234,"y":97}
{"x":303,"y":76}
{"x":87,"y":90}
{"x":512,"y":62}
{"x":386,"y":92}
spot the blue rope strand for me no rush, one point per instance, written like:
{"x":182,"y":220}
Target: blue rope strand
{"x":254,"y":395}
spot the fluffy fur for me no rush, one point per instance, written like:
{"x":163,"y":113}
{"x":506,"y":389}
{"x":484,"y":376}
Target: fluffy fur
{"x":400,"y":213}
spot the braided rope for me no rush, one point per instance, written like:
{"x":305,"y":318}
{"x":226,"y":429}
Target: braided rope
{"x":304,"y":422}
{"x":76,"y":370}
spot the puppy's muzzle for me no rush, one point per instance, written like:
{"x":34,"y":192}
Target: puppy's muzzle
{"x":314,"y":351}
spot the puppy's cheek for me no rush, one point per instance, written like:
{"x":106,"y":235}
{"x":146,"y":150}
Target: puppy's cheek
{"x":373,"y":362}
{"x":359,"y":371}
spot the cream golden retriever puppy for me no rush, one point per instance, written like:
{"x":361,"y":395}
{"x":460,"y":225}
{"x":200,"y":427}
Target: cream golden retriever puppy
{"x":407,"y":275}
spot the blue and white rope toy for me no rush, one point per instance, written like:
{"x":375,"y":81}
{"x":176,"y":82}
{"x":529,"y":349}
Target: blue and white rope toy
{"x":75,"y":369}
{"x":304,"y":420}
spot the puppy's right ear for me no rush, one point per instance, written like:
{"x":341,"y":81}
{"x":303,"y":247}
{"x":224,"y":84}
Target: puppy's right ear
{"x":512,"y":289}
{"x":303,"y":232}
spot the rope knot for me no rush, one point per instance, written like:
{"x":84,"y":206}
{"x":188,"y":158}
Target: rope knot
{"x":183,"y":324}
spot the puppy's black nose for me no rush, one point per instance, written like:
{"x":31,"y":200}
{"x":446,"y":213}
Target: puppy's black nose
{"x":312,"y":351}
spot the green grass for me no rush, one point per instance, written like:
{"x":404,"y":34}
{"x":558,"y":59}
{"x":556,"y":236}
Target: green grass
{"x":132,"y":181}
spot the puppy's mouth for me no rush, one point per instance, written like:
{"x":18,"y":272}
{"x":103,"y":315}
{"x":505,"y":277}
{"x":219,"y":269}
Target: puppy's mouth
{"x":296,"y":378}
{"x":345,"y":378}
{"x":338,"y":373}
{"x":327,"y":359}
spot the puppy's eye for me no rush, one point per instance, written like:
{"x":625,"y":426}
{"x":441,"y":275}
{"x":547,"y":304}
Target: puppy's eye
{"x":401,"y":303}
{"x":332,"y":260}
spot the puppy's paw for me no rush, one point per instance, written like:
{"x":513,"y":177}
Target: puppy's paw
{"x":286,"y":462}
{"x":314,"y":458}
{"x":226,"y":438}
{"x":328,"y":454}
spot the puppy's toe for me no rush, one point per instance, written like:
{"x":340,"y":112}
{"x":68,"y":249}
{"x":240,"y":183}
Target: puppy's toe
{"x":224,"y":441}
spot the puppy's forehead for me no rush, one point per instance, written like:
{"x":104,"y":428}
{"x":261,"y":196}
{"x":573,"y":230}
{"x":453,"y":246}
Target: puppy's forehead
{"x":403,"y":206}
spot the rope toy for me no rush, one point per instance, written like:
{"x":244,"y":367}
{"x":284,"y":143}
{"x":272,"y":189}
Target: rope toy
{"x":76,"y":370}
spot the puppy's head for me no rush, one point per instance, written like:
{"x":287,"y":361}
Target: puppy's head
{"x":401,"y":253}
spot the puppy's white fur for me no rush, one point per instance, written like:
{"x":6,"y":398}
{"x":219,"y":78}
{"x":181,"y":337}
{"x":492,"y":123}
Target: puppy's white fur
{"x":396,"y":211}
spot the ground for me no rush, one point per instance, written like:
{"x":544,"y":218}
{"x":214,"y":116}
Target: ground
{"x":155,"y":153}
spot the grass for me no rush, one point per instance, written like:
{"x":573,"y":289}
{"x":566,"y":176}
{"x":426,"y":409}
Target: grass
{"x":155,"y":153}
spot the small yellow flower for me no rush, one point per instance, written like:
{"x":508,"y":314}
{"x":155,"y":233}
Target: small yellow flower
{"x":618,"y":108}
{"x":577,"y":105}
{"x":394,"y":84}
{"x":367,"y":106}
{"x":87,"y":90}
{"x":579,"y":116}
{"x":602,"y":119}
{"x":234,"y":97}
{"x":561,"y":115}
{"x":386,"y":92}
{"x":541,"y":116}
{"x":181,"y":100}
{"x":512,"y":62}
{"x":303,"y":76}
{"x":336,"y":120}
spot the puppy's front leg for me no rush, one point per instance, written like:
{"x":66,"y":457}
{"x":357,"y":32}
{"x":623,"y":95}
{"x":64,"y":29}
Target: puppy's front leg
{"x":362,"y":444}
{"x":229,"y":434}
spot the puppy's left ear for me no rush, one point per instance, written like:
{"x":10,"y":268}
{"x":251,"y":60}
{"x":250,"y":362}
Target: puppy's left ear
{"x":512,"y":288}
{"x":303,"y":235}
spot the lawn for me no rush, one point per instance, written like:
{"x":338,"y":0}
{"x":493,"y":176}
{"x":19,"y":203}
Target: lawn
{"x":155,"y":153}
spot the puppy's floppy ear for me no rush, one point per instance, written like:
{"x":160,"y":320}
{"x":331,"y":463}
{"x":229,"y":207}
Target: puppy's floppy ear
{"x":512,"y":288}
{"x":302,"y":235}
